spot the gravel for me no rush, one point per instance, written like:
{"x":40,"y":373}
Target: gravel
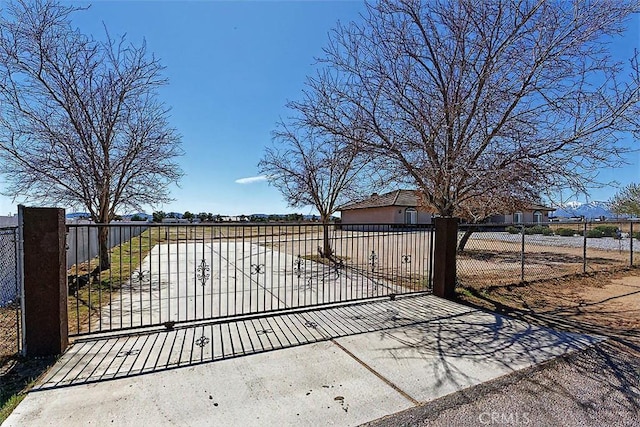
{"x":603,"y":243}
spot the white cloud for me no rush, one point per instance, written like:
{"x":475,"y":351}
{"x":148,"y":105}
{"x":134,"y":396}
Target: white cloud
{"x":251,"y":179}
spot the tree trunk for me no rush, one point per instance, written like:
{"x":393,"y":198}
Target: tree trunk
{"x":326,"y":243}
{"x":103,"y":240}
{"x":103,"y":252}
{"x":465,"y":238}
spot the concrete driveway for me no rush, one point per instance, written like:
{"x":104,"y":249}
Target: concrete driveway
{"x":189,"y":281}
{"x":338,"y":366}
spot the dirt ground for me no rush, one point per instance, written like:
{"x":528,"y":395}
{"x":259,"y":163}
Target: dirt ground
{"x":599,"y":386}
{"x":487,"y":262}
{"x":607,"y":302}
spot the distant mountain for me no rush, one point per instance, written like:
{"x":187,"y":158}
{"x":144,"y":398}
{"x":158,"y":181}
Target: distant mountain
{"x":76,"y":215}
{"x":590,"y":211}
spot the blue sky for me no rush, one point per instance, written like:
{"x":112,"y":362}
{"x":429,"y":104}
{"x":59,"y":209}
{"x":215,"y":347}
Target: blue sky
{"x":232,"y":66}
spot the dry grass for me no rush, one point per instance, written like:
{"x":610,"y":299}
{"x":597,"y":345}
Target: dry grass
{"x":8,"y":332}
{"x":18,"y":375}
{"x":212,"y":232}
{"x":85,"y":304}
{"x":624,"y":226}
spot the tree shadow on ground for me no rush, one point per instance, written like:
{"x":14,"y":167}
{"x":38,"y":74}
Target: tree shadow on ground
{"x":421,"y":326}
{"x":592,"y":387}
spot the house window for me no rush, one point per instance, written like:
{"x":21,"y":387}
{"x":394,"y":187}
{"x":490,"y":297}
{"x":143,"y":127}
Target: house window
{"x":537,"y":217}
{"x":517,"y":217}
{"x":410,"y":216}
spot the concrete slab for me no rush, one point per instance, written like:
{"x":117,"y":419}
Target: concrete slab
{"x":343,"y":365}
{"x":312,"y":385}
{"x":445,"y":354}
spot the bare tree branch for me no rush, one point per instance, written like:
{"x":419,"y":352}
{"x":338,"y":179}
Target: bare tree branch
{"x":481,"y":105}
{"x":311,"y":168}
{"x":81,"y":122}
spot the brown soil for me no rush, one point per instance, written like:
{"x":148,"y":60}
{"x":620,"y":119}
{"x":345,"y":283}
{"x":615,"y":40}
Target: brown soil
{"x":605,"y":302}
{"x":486,"y":263}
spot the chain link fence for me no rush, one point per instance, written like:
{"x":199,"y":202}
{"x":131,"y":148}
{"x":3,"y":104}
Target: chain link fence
{"x":10,"y":331}
{"x":497,"y":254}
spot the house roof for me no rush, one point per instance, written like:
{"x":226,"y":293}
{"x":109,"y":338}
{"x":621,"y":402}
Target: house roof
{"x":534,"y":207}
{"x":407,"y":198}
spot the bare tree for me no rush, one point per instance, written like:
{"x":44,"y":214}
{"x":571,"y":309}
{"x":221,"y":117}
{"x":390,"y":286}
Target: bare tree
{"x":311,"y":168}
{"x":498,"y":100}
{"x":477,"y":210}
{"x":81,"y":122}
{"x":627,"y":200}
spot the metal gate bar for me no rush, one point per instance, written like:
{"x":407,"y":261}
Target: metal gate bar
{"x":163,"y":274}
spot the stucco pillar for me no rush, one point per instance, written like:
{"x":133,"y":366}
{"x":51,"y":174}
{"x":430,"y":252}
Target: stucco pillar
{"x":45,"y":285}
{"x":444,"y":260}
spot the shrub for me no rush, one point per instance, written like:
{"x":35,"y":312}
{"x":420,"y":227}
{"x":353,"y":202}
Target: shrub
{"x":538,"y":229}
{"x":566,"y":232}
{"x":512,"y":230}
{"x":636,"y":235}
{"x":606,"y":230}
{"x":595,"y":233}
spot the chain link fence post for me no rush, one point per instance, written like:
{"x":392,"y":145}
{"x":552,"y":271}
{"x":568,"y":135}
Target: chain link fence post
{"x":19,"y":286}
{"x":20,"y":272}
{"x":584,"y":246}
{"x":631,"y":243}
{"x":522,"y":232}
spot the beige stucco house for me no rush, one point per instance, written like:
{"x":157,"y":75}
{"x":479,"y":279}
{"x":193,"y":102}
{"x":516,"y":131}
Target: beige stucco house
{"x":399,"y":207}
{"x":531,"y":214}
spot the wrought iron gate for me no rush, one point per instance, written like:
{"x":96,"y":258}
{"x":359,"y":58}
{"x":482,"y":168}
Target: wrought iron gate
{"x":163,"y":274}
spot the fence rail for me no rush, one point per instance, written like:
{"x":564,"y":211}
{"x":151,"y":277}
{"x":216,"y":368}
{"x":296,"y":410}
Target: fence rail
{"x":506,"y":254}
{"x":82,"y":242}
{"x":10,"y":311}
{"x":173,"y":273}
